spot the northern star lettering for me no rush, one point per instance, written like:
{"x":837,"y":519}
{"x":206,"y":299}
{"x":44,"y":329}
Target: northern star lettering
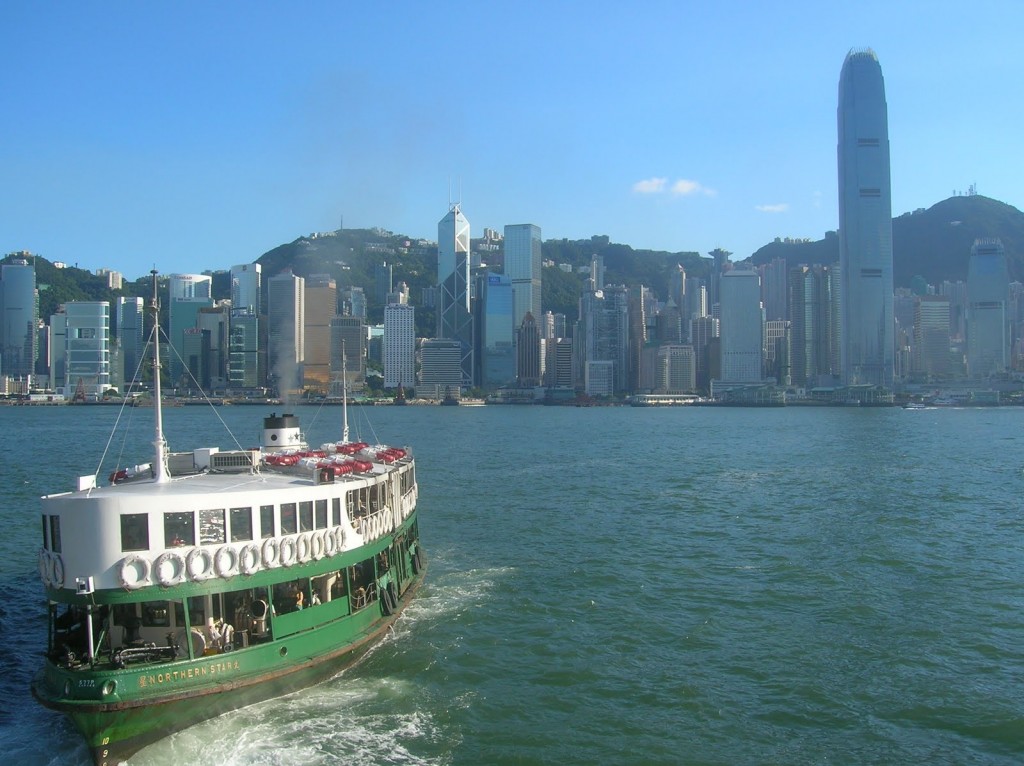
{"x":189,"y":674}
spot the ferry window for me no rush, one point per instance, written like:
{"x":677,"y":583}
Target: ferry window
{"x":266,"y":521}
{"x":321,"y":514}
{"x":55,"y":534}
{"x":336,"y":511}
{"x":289,"y":522}
{"x":46,"y":537}
{"x":155,"y":614}
{"x":211,"y":527}
{"x":135,"y":532}
{"x":241,"y":524}
{"x":179,"y":529}
{"x":305,"y":516}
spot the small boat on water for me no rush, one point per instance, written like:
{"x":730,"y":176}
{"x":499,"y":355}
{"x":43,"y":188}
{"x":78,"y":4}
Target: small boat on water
{"x":204,"y":581}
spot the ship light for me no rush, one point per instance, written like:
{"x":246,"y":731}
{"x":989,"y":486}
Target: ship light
{"x":109,"y":687}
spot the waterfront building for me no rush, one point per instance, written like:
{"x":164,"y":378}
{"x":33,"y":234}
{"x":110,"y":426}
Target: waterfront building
{"x":441,"y":372}
{"x":811,"y":314}
{"x":246,"y":282}
{"x":775,"y":289}
{"x":930,"y":357}
{"x":399,"y":345}
{"x":215,"y":322}
{"x":128,"y":331}
{"x":189,"y":286}
{"x":604,"y":335}
{"x":495,"y":303}
{"x":677,"y":285}
{"x":742,"y":327}
{"x":523,"y":267}
{"x":865,"y":224}
{"x":777,"y":339}
{"x":86,"y":349}
{"x":704,"y":330}
{"x":558,"y":368}
{"x":286,"y":337}
{"x":528,"y":353}
{"x":243,"y":350}
{"x":320,"y":306}
{"x":988,"y":342}
{"x":348,"y":339}
{"x":677,"y":369}
{"x":19,"y":318}
{"x":637,"y":299}
{"x":183,"y":314}
{"x":668,"y":324}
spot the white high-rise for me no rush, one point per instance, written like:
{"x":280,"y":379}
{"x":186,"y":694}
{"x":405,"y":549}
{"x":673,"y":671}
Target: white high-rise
{"x":245,"y":287}
{"x":190,"y":286}
{"x":455,"y":320}
{"x":399,"y":345}
{"x":523,"y":267}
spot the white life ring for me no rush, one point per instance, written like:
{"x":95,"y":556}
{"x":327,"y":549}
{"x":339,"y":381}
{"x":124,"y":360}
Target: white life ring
{"x":303,"y":548}
{"x":249,"y":559}
{"x":56,"y":571}
{"x":270,"y":551}
{"x":205,"y":559}
{"x":287,"y":552}
{"x":331,"y":541}
{"x":140,"y":566}
{"x":316,"y":544}
{"x":225,"y":561}
{"x":177,"y":569}
{"x":44,"y":566}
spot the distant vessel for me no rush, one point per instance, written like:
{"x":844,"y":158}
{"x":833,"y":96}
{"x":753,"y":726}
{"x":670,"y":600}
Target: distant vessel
{"x":205,"y":581}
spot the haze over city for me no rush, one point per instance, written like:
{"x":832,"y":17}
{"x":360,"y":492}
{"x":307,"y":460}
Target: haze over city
{"x":195,"y":137}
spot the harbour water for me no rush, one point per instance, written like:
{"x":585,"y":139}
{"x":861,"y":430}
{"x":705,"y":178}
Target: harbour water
{"x":623,"y":586}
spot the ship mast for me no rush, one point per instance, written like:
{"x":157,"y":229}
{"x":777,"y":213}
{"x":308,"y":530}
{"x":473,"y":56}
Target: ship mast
{"x":160,"y":472}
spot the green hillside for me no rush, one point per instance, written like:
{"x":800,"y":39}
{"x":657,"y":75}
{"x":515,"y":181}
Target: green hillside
{"x":933,"y":243}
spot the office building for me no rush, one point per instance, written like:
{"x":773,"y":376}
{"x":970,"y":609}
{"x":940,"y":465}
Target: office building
{"x":523,"y":266}
{"x":931,"y":357}
{"x":246,"y":281}
{"x":189,"y":286}
{"x":528,"y":353}
{"x":86,"y":349}
{"x":286,"y":337}
{"x":455,"y":318}
{"x":320,"y":307}
{"x":441,"y":373}
{"x":183,"y":314}
{"x":988,"y":292}
{"x":865,"y":224}
{"x":19,"y":318}
{"x":742,"y":327}
{"x":496,"y":331}
{"x":399,"y":345}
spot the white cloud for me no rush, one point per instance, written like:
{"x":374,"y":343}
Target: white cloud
{"x":681,"y":188}
{"x":684,"y":187}
{"x":650,"y":186}
{"x":781,"y":207}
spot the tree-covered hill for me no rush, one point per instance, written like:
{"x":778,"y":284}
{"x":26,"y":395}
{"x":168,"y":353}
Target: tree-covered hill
{"x":933,"y":243}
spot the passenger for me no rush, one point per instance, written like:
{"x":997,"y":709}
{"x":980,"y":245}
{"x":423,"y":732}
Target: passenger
{"x":299,"y":599}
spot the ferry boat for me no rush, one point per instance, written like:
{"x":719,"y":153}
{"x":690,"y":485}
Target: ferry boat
{"x":208,"y":580}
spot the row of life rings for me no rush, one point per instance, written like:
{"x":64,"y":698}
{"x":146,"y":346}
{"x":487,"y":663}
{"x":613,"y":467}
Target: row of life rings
{"x":377,"y":525}
{"x":171,"y":568}
{"x":51,"y":568}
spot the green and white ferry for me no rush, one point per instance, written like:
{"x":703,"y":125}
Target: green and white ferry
{"x":208,"y":580}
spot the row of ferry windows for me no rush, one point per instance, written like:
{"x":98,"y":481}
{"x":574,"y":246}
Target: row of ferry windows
{"x":218,"y":526}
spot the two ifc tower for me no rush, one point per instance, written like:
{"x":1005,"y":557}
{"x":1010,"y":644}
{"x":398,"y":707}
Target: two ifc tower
{"x":865,"y":224}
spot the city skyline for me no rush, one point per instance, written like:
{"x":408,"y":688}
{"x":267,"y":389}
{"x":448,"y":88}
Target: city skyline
{"x":674,"y":129}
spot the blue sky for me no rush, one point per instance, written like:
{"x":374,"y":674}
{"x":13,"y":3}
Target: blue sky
{"x":190,"y":136}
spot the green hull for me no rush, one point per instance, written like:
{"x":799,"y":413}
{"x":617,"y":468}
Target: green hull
{"x":152,"y":701}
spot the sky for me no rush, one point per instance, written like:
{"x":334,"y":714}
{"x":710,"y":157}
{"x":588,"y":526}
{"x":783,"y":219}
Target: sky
{"x":190,"y":136}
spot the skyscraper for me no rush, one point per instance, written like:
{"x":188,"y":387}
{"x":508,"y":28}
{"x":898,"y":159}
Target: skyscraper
{"x":286,"y":337}
{"x":399,"y":345}
{"x":245,"y":287}
{"x":988,"y":292}
{"x":455,"y":318}
{"x":320,"y":306}
{"x":865,"y":224}
{"x":19,"y":315}
{"x":523,"y":267}
{"x":742,"y":329}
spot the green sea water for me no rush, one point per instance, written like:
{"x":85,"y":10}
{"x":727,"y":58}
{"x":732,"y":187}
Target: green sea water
{"x":622,"y":586}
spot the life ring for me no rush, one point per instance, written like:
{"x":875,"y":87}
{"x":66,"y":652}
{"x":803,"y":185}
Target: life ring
{"x":57,"y":571}
{"x":303,"y":548}
{"x":339,"y":535}
{"x":177,"y":569}
{"x":138,"y":564}
{"x":316,"y":544}
{"x":249,"y":559}
{"x":225,"y":561}
{"x":331,"y":541}
{"x":287,"y":551}
{"x":270,"y":551}
{"x":205,"y":559}
{"x":44,"y":566}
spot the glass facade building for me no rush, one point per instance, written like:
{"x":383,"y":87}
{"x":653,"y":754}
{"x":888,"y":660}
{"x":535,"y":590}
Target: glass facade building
{"x":19,"y":316}
{"x":988,"y":296}
{"x":455,"y":318}
{"x":865,"y":224}
{"x":523,"y":266}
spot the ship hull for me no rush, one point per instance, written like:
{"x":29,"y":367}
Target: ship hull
{"x":207,"y":687}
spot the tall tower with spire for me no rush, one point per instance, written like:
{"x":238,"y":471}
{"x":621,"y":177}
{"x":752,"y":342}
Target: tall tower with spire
{"x":455,"y":319}
{"x":865,"y":224}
